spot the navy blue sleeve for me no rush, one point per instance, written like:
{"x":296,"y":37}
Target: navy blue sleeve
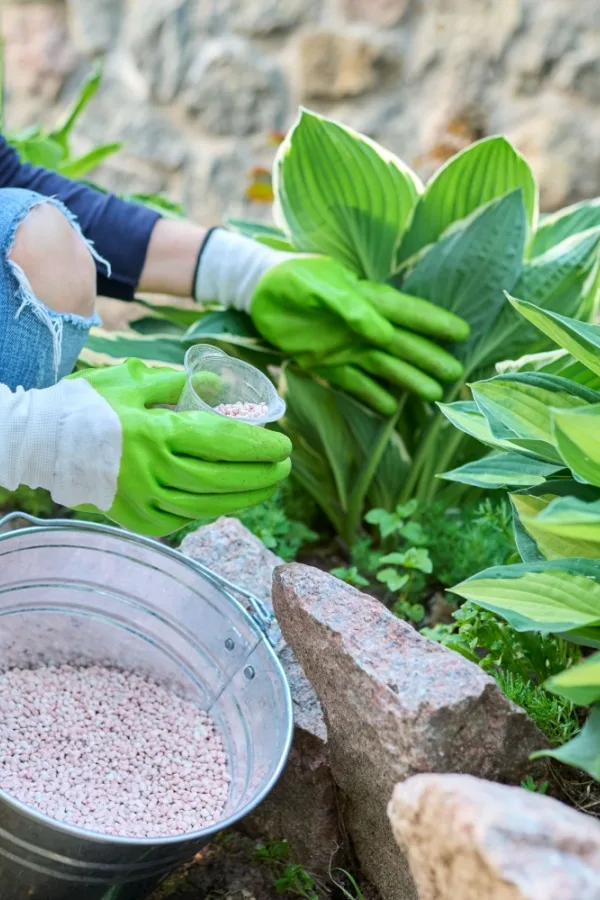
{"x":120,"y":231}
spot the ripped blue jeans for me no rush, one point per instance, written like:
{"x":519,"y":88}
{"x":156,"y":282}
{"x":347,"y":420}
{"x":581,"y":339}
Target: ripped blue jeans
{"x":38,"y":346}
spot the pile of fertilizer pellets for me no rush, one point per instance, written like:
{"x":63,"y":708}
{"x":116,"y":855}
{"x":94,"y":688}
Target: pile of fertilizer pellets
{"x":109,"y":751}
{"x":245,"y":410}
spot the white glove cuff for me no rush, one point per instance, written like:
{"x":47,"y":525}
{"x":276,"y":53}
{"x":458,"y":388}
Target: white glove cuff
{"x":66,"y":439}
{"x":230,"y":268}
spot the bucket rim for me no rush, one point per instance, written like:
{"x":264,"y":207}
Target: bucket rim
{"x":41,"y":525}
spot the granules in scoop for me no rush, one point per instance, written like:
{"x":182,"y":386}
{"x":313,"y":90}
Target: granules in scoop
{"x":245,"y":410}
{"x":109,"y":751}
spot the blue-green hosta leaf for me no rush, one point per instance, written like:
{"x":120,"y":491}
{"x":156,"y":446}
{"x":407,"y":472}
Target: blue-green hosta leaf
{"x":557,"y":596}
{"x":566,"y":222}
{"x":484,"y":171}
{"x":581,"y":339}
{"x":576,"y":435}
{"x":553,"y":362}
{"x":226,"y":322}
{"x":341,"y":194}
{"x":564,"y":280}
{"x":580,"y":684}
{"x":466,"y":416}
{"x":468,"y":269}
{"x":116,"y":346}
{"x":518,"y":407}
{"x":583,"y":751}
{"x":503,"y":470}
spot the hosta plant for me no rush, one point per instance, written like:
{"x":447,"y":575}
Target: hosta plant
{"x":542,"y":423}
{"x":459,"y":241}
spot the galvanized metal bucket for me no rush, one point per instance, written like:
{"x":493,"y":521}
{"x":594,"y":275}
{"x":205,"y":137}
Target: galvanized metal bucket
{"x":74,"y":592}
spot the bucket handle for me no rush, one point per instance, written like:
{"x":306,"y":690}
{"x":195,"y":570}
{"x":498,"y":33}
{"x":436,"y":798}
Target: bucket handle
{"x":263,"y":617}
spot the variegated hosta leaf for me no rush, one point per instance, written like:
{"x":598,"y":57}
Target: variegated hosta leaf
{"x":482,"y":172}
{"x":576,"y":435}
{"x":466,"y":416}
{"x":116,"y":346}
{"x":564,"y":280}
{"x":581,"y":339}
{"x":580,"y":684}
{"x":558,"y":596}
{"x":563,"y":527}
{"x":571,"y":220}
{"x":341,"y":194}
{"x":503,"y":470}
{"x":518,"y":408}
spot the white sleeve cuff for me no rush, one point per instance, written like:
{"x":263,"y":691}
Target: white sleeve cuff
{"x":231,"y":266}
{"x":66,"y":439}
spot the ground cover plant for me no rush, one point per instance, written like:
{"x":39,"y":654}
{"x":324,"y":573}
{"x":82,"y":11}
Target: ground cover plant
{"x":541,"y":421}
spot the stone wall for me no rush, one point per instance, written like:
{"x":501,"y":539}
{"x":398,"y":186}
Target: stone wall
{"x":198,"y":88}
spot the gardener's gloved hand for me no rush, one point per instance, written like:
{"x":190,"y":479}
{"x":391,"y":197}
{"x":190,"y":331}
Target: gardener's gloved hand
{"x":331,"y":322}
{"x":95,"y":442}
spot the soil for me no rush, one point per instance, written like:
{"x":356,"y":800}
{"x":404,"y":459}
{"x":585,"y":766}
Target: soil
{"x":225,"y":870}
{"x":230,"y":870}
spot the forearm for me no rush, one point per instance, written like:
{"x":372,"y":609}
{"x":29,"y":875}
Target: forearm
{"x":172,"y":258}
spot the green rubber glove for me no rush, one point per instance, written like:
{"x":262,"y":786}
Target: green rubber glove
{"x":368,"y":338}
{"x":153,"y":470}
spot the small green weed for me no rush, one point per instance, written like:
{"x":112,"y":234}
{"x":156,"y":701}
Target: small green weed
{"x":347,"y":884}
{"x":530,"y":784}
{"x":289,"y":878}
{"x":494,"y":645}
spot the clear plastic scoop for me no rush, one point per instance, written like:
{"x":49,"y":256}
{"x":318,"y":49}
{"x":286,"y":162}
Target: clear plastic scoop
{"x":221,"y":384}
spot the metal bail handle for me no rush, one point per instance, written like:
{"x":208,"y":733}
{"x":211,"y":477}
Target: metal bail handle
{"x":260,"y":613}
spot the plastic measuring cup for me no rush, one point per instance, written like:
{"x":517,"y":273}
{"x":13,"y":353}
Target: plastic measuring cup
{"x":215,"y":379}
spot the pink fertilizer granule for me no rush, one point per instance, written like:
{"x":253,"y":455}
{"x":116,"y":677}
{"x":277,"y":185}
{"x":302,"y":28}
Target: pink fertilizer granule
{"x":245,"y":410}
{"x":109,"y":751}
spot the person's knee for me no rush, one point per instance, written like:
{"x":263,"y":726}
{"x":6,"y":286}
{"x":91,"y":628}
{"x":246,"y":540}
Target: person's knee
{"x":56,"y":261}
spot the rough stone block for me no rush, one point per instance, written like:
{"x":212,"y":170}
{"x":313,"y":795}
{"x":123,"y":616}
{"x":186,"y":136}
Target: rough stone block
{"x":395,"y":705}
{"x":470,"y":839}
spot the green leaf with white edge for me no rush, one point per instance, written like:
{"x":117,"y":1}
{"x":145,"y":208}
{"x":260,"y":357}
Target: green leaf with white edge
{"x":518,"y":407}
{"x":485,"y":171}
{"x":583,"y":751}
{"x":121,"y":345}
{"x":503,"y":470}
{"x":566,"y":222}
{"x":339,"y":193}
{"x":527,"y":548}
{"x":256,"y":229}
{"x":552,"y":362}
{"x":564,"y":280}
{"x":551,"y":596}
{"x":580,"y":684}
{"x":466,"y":416}
{"x":576,"y":435}
{"x":468,"y":269}
{"x":580,"y":339}
{"x":82,"y":165}
{"x":566,"y":527}
{"x":532,"y":501}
